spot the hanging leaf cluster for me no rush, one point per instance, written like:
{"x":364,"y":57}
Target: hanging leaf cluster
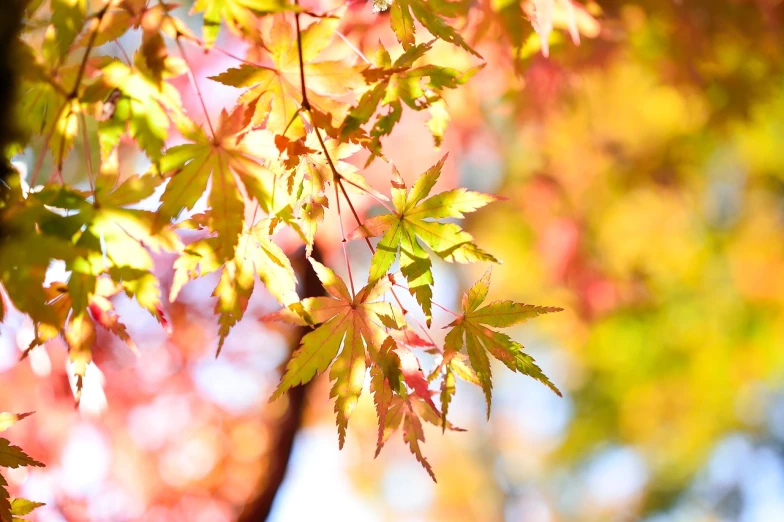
{"x":270,"y":164}
{"x":13,"y":510}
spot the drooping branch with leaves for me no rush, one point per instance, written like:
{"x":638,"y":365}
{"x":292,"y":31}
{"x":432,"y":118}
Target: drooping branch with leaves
{"x":269,"y":167}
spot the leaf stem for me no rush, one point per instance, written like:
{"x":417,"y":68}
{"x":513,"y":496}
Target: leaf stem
{"x":445,"y":309}
{"x":87,"y":157}
{"x":305,"y":102}
{"x":90,"y":43}
{"x":48,"y":138}
{"x":343,"y":243}
{"x":338,"y":179}
{"x":366,"y":191}
{"x":352,"y":46}
{"x":306,"y":106}
{"x":195,"y":86}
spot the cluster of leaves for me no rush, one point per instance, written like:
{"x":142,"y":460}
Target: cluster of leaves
{"x":12,"y":510}
{"x":269,"y":164}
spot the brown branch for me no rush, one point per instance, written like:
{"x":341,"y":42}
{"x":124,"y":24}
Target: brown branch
{"x":338,"y":179}
{"x":90,"y":43}
{"x":290,"y":422}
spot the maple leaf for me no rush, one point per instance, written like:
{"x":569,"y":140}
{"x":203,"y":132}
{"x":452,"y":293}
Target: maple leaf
{"x":9,"y":419}
{"x":5,"y":503}
{"x":471,"y":330}
{"x":402,"y":410}
{"x":393,"y":84}
{"x":103,"y":313}
{"x":79,"y":329}
{"x":44,"y":106}
{"x":256,"y":253}
{"x":155,"y":21}
{"x":385,"y":378}
{"x":109,"y":238}
{"x":241,"y":16}
{"x":567,"y":14}
{"x":13,"y":457}
{"x":31,"y":238}
{"x":412,"y":224}
{"x":144,"y":107}
{"x":354,"y":323}
{"x":429,"y":16}
{"x":241,"y":253}
{"x":275,"y":92}
{"x":402,"y":397}
{"x":68,"y":17}
{"x":224,"y":159}
{"x":94,"y":240}
{"x":21,"y":507}
{"x":312,"y":174}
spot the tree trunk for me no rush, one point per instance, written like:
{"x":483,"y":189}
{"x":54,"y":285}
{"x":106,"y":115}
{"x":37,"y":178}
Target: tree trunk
{"x":258,"y":509}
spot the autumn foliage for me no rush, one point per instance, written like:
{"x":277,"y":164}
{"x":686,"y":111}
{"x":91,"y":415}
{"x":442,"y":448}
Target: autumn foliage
{"x":270,"y":168}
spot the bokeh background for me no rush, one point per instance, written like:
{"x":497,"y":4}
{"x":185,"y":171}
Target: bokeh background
{"x":644,"y":172}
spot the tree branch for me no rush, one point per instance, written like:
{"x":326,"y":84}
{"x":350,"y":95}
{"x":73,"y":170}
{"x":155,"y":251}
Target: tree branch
{"x":259,"y":509}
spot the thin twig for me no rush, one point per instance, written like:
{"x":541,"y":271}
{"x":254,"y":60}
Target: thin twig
{"x":201,"y":45}
{"x":369,"y":193}
{"x":338,"y":178}
{"x":122,"y":51}
{"x":353,"y":47}
{"x":39,"y":162}
{"x":445,"y":309}
{"x":305,"y":102}
{"x":195,"y":85}
{"x":60,"y":159}
{"x":87,"y":157}
{"x":343,"y":243}
{"x":90,"y":43}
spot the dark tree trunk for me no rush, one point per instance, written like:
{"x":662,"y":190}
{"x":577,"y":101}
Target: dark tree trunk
{"x":258,"y":509}
{"x":10,"y":25}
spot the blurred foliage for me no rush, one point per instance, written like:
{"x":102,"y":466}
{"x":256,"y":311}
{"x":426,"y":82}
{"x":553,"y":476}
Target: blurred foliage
{"x":646,"y":176}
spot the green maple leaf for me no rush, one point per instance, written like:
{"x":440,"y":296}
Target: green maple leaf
{"x":13,"y":457}
{"x":26,"y":250}
{"x":275,"y":92}
{"x":429,"y":15}
{"x":256,"y":254}
{"x":68,"y":17}
{"x":471,"y":330}
{"x":21,"y":507}
{"x":241,"y":16}
{"x":95,"y":240}
{"x":354,"y":323}
{"x":109,"y":238}
{"x":398,"y":83}
{"x":227,"y":160}
{"x":413,"y":225}
{"x":137,"y":103}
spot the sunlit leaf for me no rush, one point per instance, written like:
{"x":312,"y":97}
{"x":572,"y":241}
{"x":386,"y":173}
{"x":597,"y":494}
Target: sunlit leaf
{"x":410,"y":228}
{"x":355,"y":323}
{"x":470,"y":331}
